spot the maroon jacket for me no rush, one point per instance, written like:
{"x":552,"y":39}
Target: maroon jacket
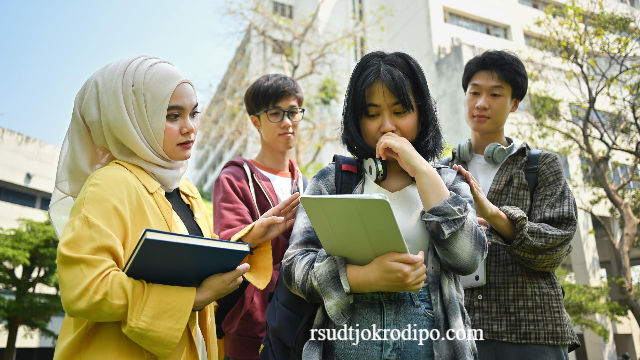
{"x":233,"y":209}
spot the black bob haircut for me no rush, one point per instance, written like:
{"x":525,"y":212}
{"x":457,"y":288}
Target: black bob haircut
{"x":507,"y":66}
{"x":268,"y":90}
{"x":403,"y":76}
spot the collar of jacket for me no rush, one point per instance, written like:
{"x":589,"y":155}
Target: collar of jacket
{"x":524,"y":147}
{"x":239,"y":161}
{"x":293,"y":168}
{"x":149,"y":182}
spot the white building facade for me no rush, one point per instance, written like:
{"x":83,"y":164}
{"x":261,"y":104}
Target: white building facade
{"x":442,"y":36}
{"x":27,"y":176}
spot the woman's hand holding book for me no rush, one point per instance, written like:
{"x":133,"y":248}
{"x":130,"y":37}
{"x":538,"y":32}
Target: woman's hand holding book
{"x":391,"y":272}
{"x":216,"y":286}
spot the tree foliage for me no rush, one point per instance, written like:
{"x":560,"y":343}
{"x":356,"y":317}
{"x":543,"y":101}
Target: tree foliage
{"x":28,"y":266}
{"x":312,"y":54}
{"x":585,"y":89}
{"x":583,"y":302}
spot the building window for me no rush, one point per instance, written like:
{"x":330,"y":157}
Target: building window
{"x":17,"y":197}
{"x":44,"y":203}
{"x":536,"y":4}
{"x":601,"y":119}
{"x":359,"y":47}
{"x":358,"y":10}
{"x":530,"y":40}
{"x":476,"y":25}
{"x":616,"y":174}
{"x":355,"y":49}
{"x":632,"y":3}
{"x":283,"y":10}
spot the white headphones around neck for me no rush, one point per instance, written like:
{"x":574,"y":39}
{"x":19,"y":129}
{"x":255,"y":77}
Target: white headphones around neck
{"x":376,"y":168}
{"x":494,"y":153}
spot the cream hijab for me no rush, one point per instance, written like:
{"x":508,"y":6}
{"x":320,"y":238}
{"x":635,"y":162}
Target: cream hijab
{"x":119,"y":113}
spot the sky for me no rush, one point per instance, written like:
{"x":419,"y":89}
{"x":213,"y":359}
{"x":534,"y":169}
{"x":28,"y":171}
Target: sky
{"x":48,"y":49}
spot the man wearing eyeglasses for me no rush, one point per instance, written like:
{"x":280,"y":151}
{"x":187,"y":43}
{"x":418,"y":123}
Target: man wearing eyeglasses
{"x":246,"y":189}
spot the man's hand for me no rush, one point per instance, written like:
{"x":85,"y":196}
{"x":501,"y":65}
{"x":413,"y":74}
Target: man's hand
{"x":489,"y":213}
{"x":274,"y":222}
{"x":484,"y":208}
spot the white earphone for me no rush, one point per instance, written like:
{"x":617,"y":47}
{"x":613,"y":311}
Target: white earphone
{"x":376,"y":168}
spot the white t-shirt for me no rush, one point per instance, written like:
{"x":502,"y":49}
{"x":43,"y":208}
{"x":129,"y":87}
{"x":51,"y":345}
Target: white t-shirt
{"x":282,"y":181}
{"x":406,"y":206}
{"x":485,"y":172}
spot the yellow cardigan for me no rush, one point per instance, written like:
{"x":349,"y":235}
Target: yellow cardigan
{"x":112,"y":316}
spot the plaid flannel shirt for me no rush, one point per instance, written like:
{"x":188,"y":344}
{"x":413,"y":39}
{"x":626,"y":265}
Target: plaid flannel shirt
{"x":457,"y":246}
{"x":522,"y":300}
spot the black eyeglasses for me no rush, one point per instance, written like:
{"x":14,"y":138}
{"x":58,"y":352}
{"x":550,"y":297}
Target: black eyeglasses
{"x":275,"y":115}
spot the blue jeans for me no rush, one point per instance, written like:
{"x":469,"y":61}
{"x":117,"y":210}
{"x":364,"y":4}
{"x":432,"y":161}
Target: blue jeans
{"x":396,"y":318}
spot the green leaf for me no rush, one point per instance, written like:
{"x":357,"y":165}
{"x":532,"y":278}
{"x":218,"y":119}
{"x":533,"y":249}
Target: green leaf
{"x":34,"y":247}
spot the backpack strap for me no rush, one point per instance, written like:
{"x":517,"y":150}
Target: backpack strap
{"x":348,"y":172}
{"x":302,"y":182}
{"x":531,"y":171}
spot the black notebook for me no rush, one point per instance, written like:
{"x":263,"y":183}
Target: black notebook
{"x":182,"y":260}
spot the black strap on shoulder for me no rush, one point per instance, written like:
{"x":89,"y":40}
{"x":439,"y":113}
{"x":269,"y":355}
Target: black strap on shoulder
{"x":305,"y":183}
{"x":531,"y":170}
{"x":348,"y":172}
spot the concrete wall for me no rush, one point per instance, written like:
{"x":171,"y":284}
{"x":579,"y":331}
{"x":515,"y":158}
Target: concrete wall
{"x":21,"y":154}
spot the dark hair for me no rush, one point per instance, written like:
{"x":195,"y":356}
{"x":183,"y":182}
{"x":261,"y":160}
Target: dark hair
{"x":268,"y":90}
{"x":506,"y":65}
{"x":403,"y":76}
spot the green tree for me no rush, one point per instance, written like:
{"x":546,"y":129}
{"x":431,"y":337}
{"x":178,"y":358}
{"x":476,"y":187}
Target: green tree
{"x":312,"y":55}
{"x":592,"y":56}
{"x":27,"y":262}
{"x":583,"y":302}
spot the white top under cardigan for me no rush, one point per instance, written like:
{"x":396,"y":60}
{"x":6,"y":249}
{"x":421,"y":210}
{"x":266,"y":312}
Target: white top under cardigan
{"x":407,"y":207}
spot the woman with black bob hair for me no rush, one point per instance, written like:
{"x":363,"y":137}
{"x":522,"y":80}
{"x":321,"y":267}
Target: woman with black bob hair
{"x":403,"y":77}
{"x":389,"y":114}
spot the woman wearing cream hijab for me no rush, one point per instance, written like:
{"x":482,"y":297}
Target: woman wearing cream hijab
{"x":132,"y":130}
